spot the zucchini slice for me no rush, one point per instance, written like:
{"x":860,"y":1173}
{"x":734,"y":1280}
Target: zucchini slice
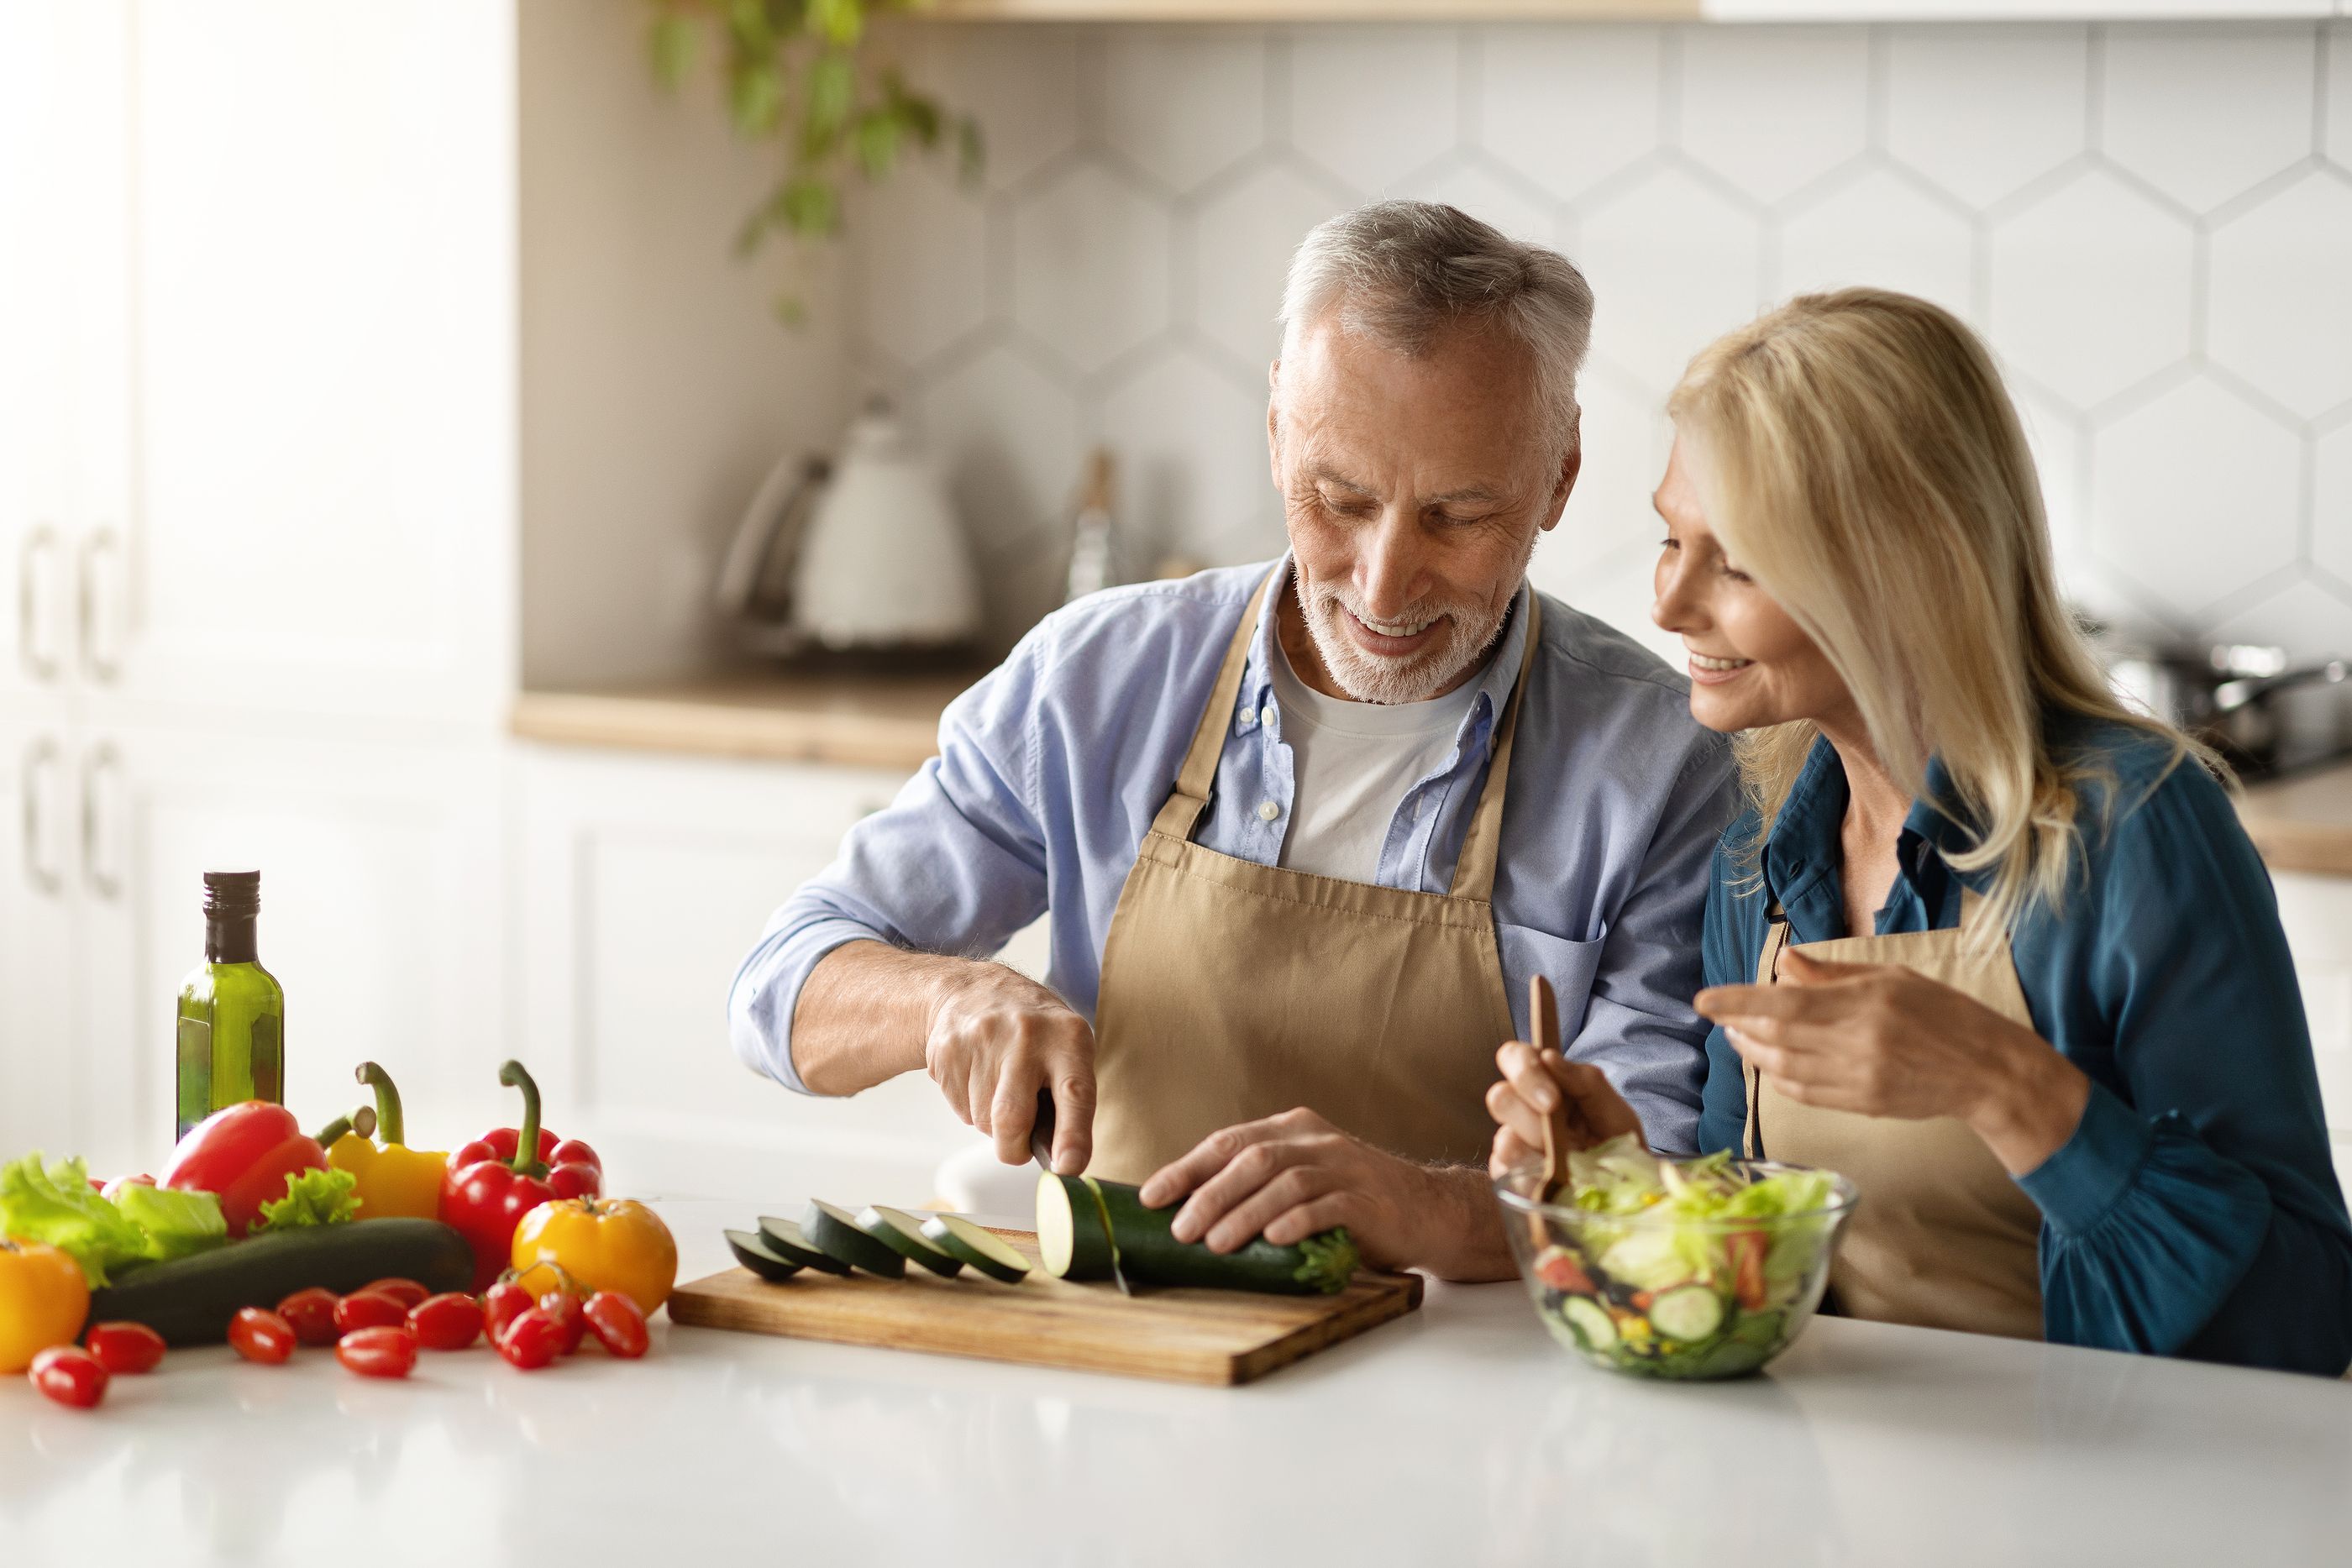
{"x":753,"y":1252}
{"x":903,"y":1234}
{"x":960,"y":1237}
{"x":835,"y":1231}
{"x":1687,"y":1313}
{"x":1073,"y":1245}
{"x":785,"y":1239}
{"x":1590,"y":1321}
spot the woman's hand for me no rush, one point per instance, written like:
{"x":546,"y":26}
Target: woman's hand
{"x":1533,"y":1085}
{"x":1880,"y":1039}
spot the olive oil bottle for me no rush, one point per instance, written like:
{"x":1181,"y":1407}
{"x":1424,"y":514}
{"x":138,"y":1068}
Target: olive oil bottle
{"x":231,"y":1036}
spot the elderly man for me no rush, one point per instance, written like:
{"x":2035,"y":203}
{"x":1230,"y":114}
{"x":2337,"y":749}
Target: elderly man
{"x":1303,"y":829}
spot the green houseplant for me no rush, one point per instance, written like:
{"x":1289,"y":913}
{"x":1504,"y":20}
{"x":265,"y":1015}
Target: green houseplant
{"x":794,"y":76}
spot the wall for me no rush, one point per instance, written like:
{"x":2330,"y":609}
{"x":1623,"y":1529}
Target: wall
{"x":2153,"y":225}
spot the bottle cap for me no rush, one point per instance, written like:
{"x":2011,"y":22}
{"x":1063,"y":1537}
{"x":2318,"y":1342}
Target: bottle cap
{"x":232,"y":893}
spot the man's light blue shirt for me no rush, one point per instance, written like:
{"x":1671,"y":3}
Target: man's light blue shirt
{"x":1051,"y":769}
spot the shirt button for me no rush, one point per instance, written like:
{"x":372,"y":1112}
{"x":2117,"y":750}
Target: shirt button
{"x":1267,"y":811}
{"x":1266,"y":715}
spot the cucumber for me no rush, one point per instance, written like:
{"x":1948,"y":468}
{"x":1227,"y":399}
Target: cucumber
{"x":1687,"y":1313}
{"x":903,"y":1234}
{"x":986,"y":1252}
{"x":1071,"y":1215}
{"x":785,"y":1239}
{"x":1590,"y":1321}
{"x":190,"y":1300}
{"x":751,"y":1250}
{"x":835,"y":1231}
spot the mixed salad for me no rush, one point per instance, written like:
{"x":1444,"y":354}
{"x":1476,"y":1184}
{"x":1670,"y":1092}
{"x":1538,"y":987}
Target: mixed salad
{"x":1694,"y":1269}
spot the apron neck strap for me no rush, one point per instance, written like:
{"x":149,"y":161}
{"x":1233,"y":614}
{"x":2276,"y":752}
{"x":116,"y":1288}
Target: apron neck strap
{"x":1181,"y":810}
{"x":1473,"y":869}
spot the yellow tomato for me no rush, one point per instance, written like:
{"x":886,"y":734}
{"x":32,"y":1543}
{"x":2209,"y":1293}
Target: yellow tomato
{"x":43,"y":1300}
{"x":603,"y":1244}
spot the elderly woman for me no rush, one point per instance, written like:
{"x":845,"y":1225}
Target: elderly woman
{"x":1982,"y":939}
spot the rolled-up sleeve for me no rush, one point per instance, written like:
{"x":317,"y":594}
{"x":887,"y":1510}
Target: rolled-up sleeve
{"x":955,"y":864}
{"x":2195,"y":1210}
{"x":1639,"y":1028}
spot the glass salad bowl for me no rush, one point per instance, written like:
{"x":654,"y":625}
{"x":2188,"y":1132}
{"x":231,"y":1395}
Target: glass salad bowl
{"x":1671,"y":1268}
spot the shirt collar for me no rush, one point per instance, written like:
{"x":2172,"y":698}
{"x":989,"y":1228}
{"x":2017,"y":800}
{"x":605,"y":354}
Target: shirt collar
{"x":1805,"y":848}
{"x":1495,"y":682}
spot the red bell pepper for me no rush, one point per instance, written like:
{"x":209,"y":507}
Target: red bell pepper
{"x":486,"y":1197}
{"x":573,"y":1170}
{"x":245,"y":1154}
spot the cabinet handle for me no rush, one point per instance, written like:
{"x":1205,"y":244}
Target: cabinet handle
{"x":105,"y":665}
{"x":41,"y":757}
{"x":104,"y":762}
{"x":39,"y":542}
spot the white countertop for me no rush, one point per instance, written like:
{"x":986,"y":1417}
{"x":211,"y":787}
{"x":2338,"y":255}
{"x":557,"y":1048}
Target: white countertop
{"x":1458,"y":1436}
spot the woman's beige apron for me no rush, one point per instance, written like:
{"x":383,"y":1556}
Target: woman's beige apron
{"x":1233,"y":991}
{"x":1942,"y":1236}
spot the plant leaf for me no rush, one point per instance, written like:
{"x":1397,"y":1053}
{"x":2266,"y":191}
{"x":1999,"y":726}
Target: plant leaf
{"x":669,"y":42}
{"x":755,"y":97}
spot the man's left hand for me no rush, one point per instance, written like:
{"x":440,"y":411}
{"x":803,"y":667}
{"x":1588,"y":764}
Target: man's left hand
{"x":1289,"y":1176}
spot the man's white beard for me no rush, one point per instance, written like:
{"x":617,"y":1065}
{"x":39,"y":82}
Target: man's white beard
{"x":1470,"y":630}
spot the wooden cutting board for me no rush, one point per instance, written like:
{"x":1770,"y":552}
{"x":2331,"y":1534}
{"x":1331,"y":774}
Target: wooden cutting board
{"x":1180,"y":1335}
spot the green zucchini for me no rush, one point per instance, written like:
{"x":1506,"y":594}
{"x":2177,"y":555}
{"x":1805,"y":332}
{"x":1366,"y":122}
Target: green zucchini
{"x":785,"y":1239}
{"x":982,"y":1249}
{"x":1072,"y":1212}
{"x":751,"y":1250}
{"x":835,"y":1231}
{"x":1687,"y":1313}
{"x":190,"y":1300}
{"x":1590,"y":1321}
{"x":903,"y":1234}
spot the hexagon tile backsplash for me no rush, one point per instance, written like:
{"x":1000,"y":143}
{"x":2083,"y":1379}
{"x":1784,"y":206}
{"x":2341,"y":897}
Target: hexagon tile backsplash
{"x":2152,"y":224}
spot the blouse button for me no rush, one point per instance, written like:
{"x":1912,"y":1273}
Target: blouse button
{"x":1267,"y":811}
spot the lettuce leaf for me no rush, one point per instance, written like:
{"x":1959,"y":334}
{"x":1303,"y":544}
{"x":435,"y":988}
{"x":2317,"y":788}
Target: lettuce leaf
{"x":175,"y":1223}
{"x":312,"y":1198}
{"x":56,"y":1205}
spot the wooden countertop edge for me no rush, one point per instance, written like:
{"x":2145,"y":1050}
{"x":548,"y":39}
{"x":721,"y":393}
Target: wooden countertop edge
{"x":2321,"y":849}
{"x":682,"y":725}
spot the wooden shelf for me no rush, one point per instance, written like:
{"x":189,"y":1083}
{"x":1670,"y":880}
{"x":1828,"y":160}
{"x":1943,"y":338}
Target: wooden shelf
{"x":852,"y":720}
{"x":1313,"y":10}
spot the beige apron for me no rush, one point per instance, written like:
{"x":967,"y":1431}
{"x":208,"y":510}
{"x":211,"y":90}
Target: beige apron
{"x":1233,"y":991}
{"x":1942,"y":1236}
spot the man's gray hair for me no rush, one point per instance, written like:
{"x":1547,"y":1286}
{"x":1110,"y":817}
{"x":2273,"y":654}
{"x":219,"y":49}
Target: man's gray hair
{"x":1405,"y":273}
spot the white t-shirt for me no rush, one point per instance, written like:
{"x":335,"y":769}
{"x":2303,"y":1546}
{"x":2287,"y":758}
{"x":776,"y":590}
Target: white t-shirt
{"x":1351,"y":764}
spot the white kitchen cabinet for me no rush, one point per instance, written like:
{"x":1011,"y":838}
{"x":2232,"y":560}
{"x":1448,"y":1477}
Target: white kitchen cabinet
{"x":39,"y":1092}
{"x":644,"y":881}
{"x":2317,"y":914}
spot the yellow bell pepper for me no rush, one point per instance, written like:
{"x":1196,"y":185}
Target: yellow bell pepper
{"x":396,"y":1181}
{"x":43,"y":1300}
{"x":597,"y":1244}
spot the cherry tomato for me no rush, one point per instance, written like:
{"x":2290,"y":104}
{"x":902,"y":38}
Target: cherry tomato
{"x":451,"y":1322}
{"x":502,"y":1305}
{"x":125,"y":1347}
{"x":378,"y":1351}
{"x":564,"y":1307}
{"x":369,"y":1309}
{"x":407,"y":1293}
{"x":311,"y":1313}
{"x":532,"y":1340}
{"x":262,"y":1337}
{"x":71,"y":1375}
{"x":620,"y":1327}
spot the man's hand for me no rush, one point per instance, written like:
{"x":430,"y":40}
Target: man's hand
{"x":997,"y":1037}
{"x":1292,"y":1176}
{"x":1880,"y":1039}
{"x":1534,"y":1084}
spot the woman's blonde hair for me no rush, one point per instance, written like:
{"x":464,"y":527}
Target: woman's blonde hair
{"x":1861,"y":460}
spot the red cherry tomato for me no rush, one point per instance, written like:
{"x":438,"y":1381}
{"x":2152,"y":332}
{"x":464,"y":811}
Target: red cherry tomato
{"x":71,"y":1375}
{"x":620,"y":1327}
{"x":125,"y":1347}
{"x":311,"y":1315}
{"x":564,"y":1307}
{"x":531,"y":1341}
{"x":379,"y":1352}
{"x":262,"y":1337}
{"x":369,"y":1309}
{"x":451,"y":1322}
{"x":502,"y":1305}
{"x":407,"y":1293}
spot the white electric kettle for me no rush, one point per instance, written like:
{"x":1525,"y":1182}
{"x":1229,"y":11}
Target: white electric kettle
{"x":864,"y":553}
